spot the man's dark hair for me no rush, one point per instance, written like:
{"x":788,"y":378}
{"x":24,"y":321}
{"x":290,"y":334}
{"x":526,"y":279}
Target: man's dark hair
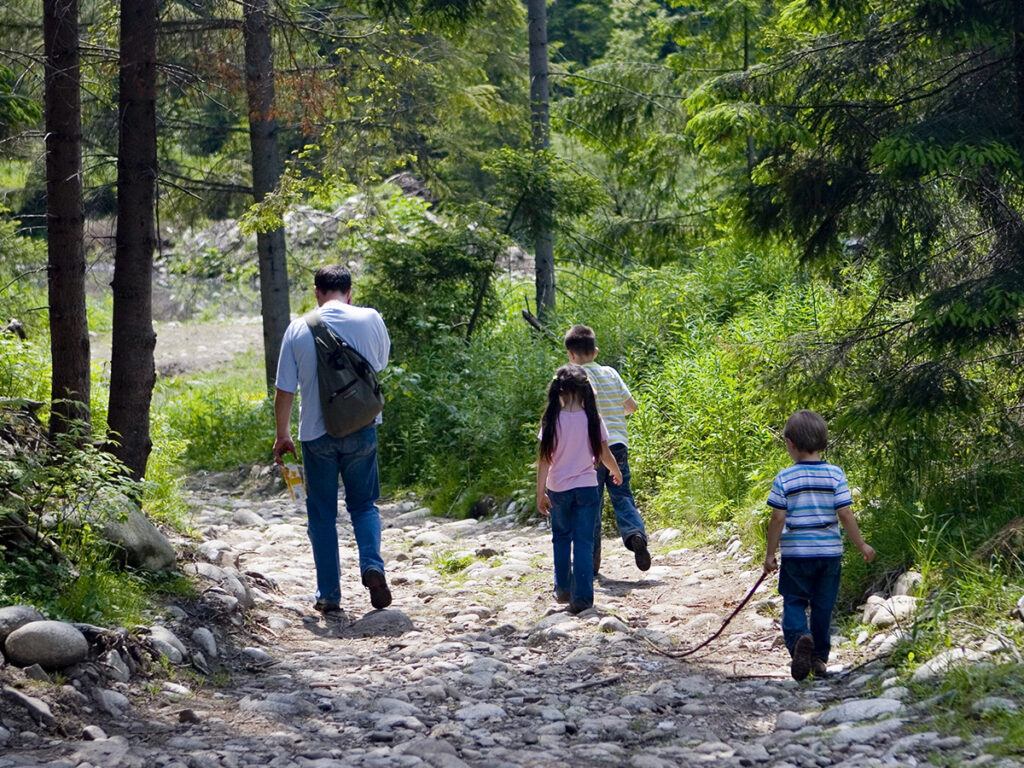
{"x":807,"y":430}
{"x":580,"y":339}
{"x":333,"y":277}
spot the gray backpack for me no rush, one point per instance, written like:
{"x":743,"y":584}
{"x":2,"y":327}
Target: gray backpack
{"x":349,"y":393}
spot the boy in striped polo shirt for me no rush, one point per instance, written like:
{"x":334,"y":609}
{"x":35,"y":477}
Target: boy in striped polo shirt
{"x":614,"y":403}
{"x":809,"y":500}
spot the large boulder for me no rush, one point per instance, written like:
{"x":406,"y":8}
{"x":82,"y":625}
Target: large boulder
{"x":144,"y":546}
{"x":14,"y":616}
{"x":50,"y":644}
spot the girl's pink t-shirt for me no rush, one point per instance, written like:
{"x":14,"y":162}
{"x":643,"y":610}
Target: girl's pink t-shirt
{"x":572,"y":462}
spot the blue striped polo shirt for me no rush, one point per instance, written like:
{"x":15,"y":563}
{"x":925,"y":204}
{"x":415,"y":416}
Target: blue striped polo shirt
{"x":810,"y":492}
{"x":611,"y":393}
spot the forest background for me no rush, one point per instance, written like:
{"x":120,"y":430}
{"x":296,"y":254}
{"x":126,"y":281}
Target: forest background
{"x":758,"y":206}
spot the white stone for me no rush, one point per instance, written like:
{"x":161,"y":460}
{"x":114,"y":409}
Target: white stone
{"x":907,"y":583}
{"x":896,"y":609}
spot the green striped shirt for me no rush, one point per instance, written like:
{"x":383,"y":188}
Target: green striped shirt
{"x":611,"y":393}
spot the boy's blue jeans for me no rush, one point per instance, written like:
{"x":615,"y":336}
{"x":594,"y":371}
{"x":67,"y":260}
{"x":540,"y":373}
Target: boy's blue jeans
{"x":809,"y":583}
{"x":572,"y":541}
{"x":627,"y":516}
{"x":354,"y":458}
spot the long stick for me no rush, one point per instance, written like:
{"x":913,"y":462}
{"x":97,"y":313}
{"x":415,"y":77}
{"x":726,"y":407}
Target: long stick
{"x":743,"y":602}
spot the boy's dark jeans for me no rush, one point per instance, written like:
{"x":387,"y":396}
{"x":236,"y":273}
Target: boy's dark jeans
{"x":809,"y":583}
{"x":627,"y":516}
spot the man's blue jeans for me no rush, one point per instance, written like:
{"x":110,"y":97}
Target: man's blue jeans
{"x":627,"y":516}
{"x":809,"y":583}
{"x":354,"y":458}
{"x":572,"y":542}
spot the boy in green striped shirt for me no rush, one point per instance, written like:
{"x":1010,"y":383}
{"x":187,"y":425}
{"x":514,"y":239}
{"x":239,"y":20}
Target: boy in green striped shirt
{"x":614,"y":402}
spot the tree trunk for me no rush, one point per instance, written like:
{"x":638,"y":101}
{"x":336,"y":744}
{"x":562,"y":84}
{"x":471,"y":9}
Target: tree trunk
{"x":544,"y":243}
{"x":69,"y":330}
{"x":266,"y":172}
{"x":132,"y":370}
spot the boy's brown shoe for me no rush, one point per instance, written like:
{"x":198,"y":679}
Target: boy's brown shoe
{"x":819,"y":669}
{"x":803,"y":655}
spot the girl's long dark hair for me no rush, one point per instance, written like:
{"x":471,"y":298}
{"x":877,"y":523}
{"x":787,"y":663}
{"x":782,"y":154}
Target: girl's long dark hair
{"x":570,"y":380}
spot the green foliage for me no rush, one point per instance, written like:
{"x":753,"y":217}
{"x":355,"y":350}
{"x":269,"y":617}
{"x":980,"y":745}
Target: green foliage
{"x":451,"y":563}
{"x":432,"y":281}
{"x":214,"y":423}
{"x":67,"y":492}
{"x":461,"y":420}
{"x":540,"y":191}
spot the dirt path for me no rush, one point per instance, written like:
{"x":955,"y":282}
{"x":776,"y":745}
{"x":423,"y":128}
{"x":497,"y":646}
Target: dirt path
{"x":474,"y":664}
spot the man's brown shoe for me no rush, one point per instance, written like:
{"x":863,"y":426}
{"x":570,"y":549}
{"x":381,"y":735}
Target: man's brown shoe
{"x":380,"y":595}
{"x":803,"y":654}
{"x":819,"y":669}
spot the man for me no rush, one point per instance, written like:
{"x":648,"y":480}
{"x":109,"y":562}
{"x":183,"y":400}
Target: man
{"x":354,"y":457}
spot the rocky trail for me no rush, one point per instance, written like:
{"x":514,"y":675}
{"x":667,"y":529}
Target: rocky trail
{"x":474,"y":664}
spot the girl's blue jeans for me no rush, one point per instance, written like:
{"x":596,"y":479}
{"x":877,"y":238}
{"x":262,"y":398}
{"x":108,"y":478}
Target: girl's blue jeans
{"x":354,"y":459}
{"x":573,"y":513}
{"x":809,"y":584}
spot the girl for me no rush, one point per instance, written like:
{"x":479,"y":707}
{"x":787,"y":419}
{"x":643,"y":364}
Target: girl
{"x":572,"y":439}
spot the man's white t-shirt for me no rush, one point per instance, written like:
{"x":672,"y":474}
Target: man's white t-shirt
{"x":362,"y":327}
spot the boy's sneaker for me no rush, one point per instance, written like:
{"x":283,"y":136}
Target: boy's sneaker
{"x":819,"y":669}
{"x":380,"y":595}
{"x":638,"y":544}
{"x":803,"y":657}
{"x":561,"y":595}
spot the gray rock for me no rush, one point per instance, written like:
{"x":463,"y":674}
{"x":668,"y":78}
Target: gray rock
{"x":112,"y":702}
{"x":482,"y":711}
{"x":994,"y":704}
{"x":866,"y":734}
{"x":1020,"y":608}
{"x":388,"y":623}
{"x":859,"y":709}
{"x":937,"y":666}
{"x":257,"y":656}
{"x":204,"y":638}
{"x":789,"y":721}
{"x":114,"y":667}
{"x":37,"y":708}
{"x":14,"y":616}
{"x":50,"y":644}
{"x":246,"y":517}
{"x":109,"y":753}
{"x":227,"y":579}
{"x":167,"y":644}
{"x":93,"y":733}
{"x":37,"y":673}
{"x":142,"y":543}
{"x":612,"y":624}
